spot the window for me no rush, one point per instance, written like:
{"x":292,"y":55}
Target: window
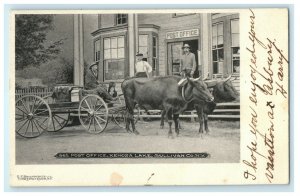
{"x":97,"y":51}
{"x":121,"y":19}
{"x":154,"y":53}
{"x":217,"y":47}
{"x":235,"y":45}
{"x":143,"y":45}
{"x":114,"y":58}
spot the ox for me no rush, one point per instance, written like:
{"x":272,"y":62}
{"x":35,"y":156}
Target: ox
{"x":163,"y":93}
{"x":222,"y":91}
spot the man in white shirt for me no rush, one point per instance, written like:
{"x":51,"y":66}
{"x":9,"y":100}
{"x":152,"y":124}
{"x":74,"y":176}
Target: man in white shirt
{"x":143,"y":69}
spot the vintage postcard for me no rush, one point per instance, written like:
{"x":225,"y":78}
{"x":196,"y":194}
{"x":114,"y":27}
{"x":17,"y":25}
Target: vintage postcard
{"x":149,"y":97}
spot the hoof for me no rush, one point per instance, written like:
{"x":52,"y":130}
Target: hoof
{"x":136,"y":132}
{"x":171,"y":136}
{"x":200,"y":135}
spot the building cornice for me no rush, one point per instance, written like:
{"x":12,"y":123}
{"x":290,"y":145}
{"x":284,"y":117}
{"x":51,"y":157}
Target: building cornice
{"x":122,"y":27}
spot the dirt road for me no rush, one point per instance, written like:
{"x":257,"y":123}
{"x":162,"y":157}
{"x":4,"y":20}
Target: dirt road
{"x":223,"y":144}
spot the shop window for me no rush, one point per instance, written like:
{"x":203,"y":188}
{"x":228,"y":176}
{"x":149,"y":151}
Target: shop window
{"x":218,"y":47}
{"x":154,"y":53}
{"x":235,"y":45}
{"x":97,"y":51}
{"x":114,"y":58}
{"x":121,"y":19}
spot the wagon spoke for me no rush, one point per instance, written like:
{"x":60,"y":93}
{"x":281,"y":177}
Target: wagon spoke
{"x":90,"y":122}
{"x":36,"y":127}
{"x":94,"y":125}
{"x":22,"y":125}
{"x":99,"y":107}
{"x":27,"y":127}
{"x":44,"y":122}
{"x":98,"y":123}
{"x":22,"y":110}
{"x":32,"y":107}
{"x":57,"y":121}
{"x":84,"y":108}
{"x":101,"y":118}
{"x":86,"y":120}
{"x":65,"y":119}
{"x":87,"y":104}
{"x":41,"y":112}
{"x":31,"y":127}
{"x":25,"y":106}
{"x":98,"y":113}
{"x":20,"y":120}
{"x":38,"y":106}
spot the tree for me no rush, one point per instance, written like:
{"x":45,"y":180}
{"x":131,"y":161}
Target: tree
{"x":30,"y":37}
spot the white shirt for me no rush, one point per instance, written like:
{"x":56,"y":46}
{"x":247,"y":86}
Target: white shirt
{"x":143,"y":66}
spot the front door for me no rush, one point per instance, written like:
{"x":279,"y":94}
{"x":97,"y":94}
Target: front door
{"x":174,"y":54}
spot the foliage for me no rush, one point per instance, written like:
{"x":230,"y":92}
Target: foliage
{"x":30,"y":40}
{"x":58,"y":71}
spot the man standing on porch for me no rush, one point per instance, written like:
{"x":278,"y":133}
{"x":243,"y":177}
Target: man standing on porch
{"x":187,"y":62}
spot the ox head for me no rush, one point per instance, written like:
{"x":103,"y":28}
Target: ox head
{"x":224,"y":91}
{"x":200,"y":91}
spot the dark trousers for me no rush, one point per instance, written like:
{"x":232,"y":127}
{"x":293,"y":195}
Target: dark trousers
{"x":141,"y":75}
{"x":186,"y":73}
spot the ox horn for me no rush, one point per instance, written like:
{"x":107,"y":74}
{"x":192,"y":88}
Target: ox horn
{"x":227,"y":78}
{"x":207,"y":77}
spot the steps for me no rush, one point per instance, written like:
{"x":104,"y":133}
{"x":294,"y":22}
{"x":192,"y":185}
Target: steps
{"x":227,"y":111}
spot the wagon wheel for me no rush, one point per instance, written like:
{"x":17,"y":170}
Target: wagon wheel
{"x":59,"y":120}
{"x":32,"y":116}
{"x":93,"y":113}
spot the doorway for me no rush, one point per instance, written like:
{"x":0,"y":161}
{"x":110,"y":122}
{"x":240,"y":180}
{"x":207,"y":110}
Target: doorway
{"x":174,"y":54}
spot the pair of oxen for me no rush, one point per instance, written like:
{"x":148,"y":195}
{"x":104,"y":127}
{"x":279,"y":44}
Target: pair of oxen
{"x":165,"y":93}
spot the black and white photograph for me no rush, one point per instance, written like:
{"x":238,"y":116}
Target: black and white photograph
{"x":166,"y":90}
{"x":127,"y":83}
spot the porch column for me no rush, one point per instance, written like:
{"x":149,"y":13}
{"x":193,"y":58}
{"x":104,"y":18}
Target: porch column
{"x":132,"y":41}
{"x":206,"y":40}
{"x":78,"y":51}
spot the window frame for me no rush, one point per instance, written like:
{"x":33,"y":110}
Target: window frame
{"x":116,"y":19}
{"x":218,"y":48}
{"x":97,"y":54}
{"x":234,"y":47}
{"x":111,"y":59}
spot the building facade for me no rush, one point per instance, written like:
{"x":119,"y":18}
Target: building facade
{"x":213,"y":37}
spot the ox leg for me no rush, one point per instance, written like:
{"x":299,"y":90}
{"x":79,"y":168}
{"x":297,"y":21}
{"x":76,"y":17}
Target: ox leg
{"x":200,"y":117}
{"x":133,"y":126}
{"x":162,"y":119}
{"x":130,"y":119}
{"x":176,"y":121}
{"x":205,"y":123}
{"x":169,"y":115}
